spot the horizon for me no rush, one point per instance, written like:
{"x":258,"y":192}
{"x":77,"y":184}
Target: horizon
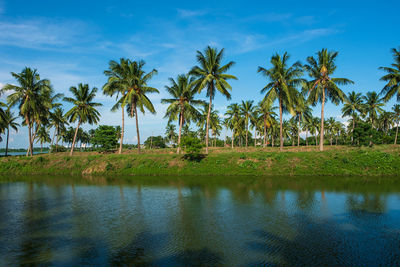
{"x":70,"y":46}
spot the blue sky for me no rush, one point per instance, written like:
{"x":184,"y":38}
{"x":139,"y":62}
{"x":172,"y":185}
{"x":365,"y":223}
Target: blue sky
{"x":72,"y":41}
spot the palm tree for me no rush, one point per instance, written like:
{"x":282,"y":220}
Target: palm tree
{"x":8,"y":122}
{"x":282,"y":85}
{"x":120,"y":75}
{"x":372,"y":106}
{"x":211,"y":74}
{"x":255,"y":122}
{"x":138,"y":89}
{"x":58,"y":121}
{"x":84,"y":110}
{"x":302,"y":113}
{"x":246,"y":109}
{"x":215,"y":125}
{"x":43,"y":137}
{"x":182,"y":106}
{"x":353,"y":104}
{"x":170,"y":132}
{"x":267,"y":114}
{"x":392,"y":78}
{"x":233,"y":113}
{"x":396,"y":111}
{"x":28,"y":95}
{"x":330,"y":126}
{"x":315,"y":128}
{"x":322,"y":85}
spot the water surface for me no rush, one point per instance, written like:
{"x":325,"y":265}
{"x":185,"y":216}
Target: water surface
{"x":62,"y":221}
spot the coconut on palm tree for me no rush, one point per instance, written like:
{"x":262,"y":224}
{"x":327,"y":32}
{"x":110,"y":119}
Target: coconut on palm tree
{"x":182,"y":105}
{"x":323,"y":86}
{"x":211,"y":75}
{"x":8,"y":121}
{"x":282,"y":86}
{"x":392,"y":78}
{"x":30,"y":94}
{"x":84,"y":109}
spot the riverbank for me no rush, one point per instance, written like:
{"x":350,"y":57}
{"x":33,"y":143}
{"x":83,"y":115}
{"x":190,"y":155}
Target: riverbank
{"x":344,"y":161}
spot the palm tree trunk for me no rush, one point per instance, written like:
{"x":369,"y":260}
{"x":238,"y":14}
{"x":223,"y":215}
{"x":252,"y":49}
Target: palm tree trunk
{"x":281,"y":124}
{"x":30,"y":136}
{"x":73,"y":142}
{"x":41,"y":147}
{"x":321,"y":141}
{"x":352,"y":131}
{"x":58,"y":136}
{"x":306,"y":136}
{"x":316,"y":139}
{"x":137,"y":128}
{"x":30,"y":150}
{"x":233,"y":136}
{"x":208,"y":116}
{"x":397,"y":132}
{"x":52,"y":140}
{"x":247,"y":129}
{"x":180,"y":130}
{"x":122,"y":131}
{"x":8,"y":133}
{"x":255,"y":136}
{"x":265,"y":131}
{"x":298,"y":134}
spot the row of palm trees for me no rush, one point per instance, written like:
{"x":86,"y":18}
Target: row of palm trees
{"x":40,"y":109}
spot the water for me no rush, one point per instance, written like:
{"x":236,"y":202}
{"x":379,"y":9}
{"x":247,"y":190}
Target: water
{"x":200,"y":222}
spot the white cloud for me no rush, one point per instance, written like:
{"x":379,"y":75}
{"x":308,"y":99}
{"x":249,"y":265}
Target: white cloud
{"x":186,"y":13}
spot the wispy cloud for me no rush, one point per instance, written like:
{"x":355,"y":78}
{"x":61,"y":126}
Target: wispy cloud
{"x":186,"y":13}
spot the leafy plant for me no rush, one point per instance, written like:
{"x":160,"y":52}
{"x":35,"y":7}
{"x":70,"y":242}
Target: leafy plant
{"x":192,"y":147}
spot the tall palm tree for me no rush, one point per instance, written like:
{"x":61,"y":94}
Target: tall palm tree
{"x":246,"y":109}
{"x":28,"y":94}
{"x":267,"y":115}
{"x":120,"y":75}
{"x":8,"y":122}
{"x":170,"y":132}
{"x":322,"y":85}
{"x":233,"y":113}
{"x":392,"y":78}
{"x":396,"y":111}
{"x":84,"y":109}
{"x":352,"y":106}
{"x":282,"y":86}
{"x":373,"y":106}
{"x":138,"y":88}
{"x":255,"y":122}
{"x":211,"y":74}
{"x":330,"y":126}
{"x":315,"y":128}
{"x":182,"y":106}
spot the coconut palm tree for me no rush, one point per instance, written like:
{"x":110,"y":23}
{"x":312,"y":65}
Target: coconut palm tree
{"x":8,"y":121}
{"x":120,"y":75}
{"x":215,"y":125}
{"x":246,"y":109}
{"x":282,"y":86}
{"x":182,"y":105}
{"x":330,"y":126}
{"x":84,"y":109}
{"x":315,"y":128}
{"x":254,"y":123}
{"x":233,"y":113}
{"x":302,"y":113}
{"x":373,"y":106}
{"x":267,"y":115}
{"x":58,"y":121}
{"x":211,"y":74}
{"x":396,"y":111}
{"x":392,"y":78}
{"x":43,"y":137}
{"x":30,"y":96}
{"x":170,"y":132}
{"x":323,"y":86}
{"x":352,"y":106}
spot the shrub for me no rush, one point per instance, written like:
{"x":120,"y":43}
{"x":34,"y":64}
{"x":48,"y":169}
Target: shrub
{"x":192,"y":147}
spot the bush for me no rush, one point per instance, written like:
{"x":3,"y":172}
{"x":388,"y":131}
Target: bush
{"x":58,"y":148}
{"x":106,"y":137}
{"x":192,"y":147}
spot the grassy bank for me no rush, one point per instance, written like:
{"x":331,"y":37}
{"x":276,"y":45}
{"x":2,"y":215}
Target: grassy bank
{"x":380,"y":160}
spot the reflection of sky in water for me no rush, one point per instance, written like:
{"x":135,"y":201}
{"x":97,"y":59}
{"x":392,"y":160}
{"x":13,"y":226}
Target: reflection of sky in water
{"x":233,"y":225}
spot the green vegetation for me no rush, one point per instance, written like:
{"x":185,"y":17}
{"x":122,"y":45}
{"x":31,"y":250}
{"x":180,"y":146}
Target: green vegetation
{"x":105,"y":138}
{"x":341,"y":160}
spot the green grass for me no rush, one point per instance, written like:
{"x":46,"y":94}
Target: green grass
{"x":340,"y":161}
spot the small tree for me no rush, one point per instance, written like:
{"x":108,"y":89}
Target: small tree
{"x":192,"y":147}
{"x":155,"y":142}
{"x":106,"y":137}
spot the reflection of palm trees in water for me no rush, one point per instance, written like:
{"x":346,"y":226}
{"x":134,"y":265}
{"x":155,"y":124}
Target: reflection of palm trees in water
{"x":366,"y":204}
